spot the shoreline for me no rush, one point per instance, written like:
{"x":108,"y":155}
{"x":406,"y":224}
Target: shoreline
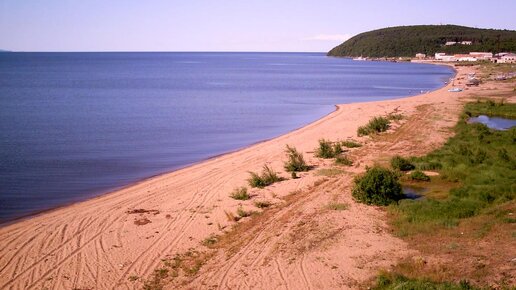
{"x":137,"y":182}
{"x":183,"y":195}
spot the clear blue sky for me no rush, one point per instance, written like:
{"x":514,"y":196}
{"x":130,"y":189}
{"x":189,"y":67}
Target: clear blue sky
{"x":224,"y":25}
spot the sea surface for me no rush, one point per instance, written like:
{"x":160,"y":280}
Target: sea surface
{"x":76,"y":125}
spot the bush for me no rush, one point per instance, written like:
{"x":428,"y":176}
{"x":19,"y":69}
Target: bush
{"x":328,"y":150}
{"x":295,"y":162}
{"x":268,"y":177}
{"x":419,"y":175}
{"x":350,"y":144}
{"x":378,"y":186}
{"x":401,"y":164}
{"x":375,"y":125}
{"x":240,"y":193}
{"x":343,"y":160}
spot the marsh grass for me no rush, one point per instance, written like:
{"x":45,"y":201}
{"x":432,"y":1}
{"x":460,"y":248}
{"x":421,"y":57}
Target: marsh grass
{"x":375,"y":125}
{"x":296,"y":161}
{"x":479,"y":160}
{"x":267,"y":178}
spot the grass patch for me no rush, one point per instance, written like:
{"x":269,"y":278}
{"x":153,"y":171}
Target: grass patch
{"x":378,"y":186}
{"x":267,"y":178}
{"x":479,"y":160}
{"x":401,"y":164}
{"x":262,"y":204}
{"x":240,"y":193}
{"x":296,"y":162}
{"x":490,"y":108}
{"x":395,"y":117}
{"x":327,"y":149}
{"x":418,"y":175}
{"x":375,"y":125}
{"x":330,"y":172}
{"x":343,"y":160}
{"x":350,"y":144}
{"x":337,"y":206}
{"x":243,"y":213}
{"x":390,"y":281}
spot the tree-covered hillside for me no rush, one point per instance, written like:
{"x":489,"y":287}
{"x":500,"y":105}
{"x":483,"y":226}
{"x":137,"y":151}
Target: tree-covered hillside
{"x":429,"y":39}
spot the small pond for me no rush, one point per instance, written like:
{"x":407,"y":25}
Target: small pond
{"x":496,"y":123}
{"x":413,"y":192}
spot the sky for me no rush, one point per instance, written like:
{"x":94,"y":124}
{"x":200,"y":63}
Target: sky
{"x":225,"y":25}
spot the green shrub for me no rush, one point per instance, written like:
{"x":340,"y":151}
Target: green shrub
{"x":328,"y":150}
{"x":350,"y":144}
{"x":378,"y":186}
{"x":240,"y":193}
{"x":267,"y":177}
{"x":375,"y":125}
{"x":295,"y":162}
{"x":343,"y":160}
{"x":419,"y":175}
{"x":392,"y":281}
{"x":401,"y":164}
{"x":262,"y":204}
{"x":243,"y":213}
{"x":395,"y":117}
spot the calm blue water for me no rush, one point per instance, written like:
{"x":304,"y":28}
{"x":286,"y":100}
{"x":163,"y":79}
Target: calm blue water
{"x":494,"y":122}
{"x":75,"y":125}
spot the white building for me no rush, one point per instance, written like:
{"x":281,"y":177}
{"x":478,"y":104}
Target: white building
{"x":481,"y":55}
{"x":420,"y":55}
{"x":466,"y":42}
{"x":450,"y":43}
{"x":508,"y":58}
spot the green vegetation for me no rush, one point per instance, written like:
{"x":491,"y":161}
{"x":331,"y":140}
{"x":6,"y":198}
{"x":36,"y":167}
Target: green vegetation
{"x":350,"y":144}
{"x":262,"y":204}
{"x":328,"y":150}
{"x":243,"y":213}
{"x":240,"y":193}
{"x":267,"y":178}
{"x":406,"y":41}
{"x":375,"y":125}
{"x":490,"y":108}
{"x":295,"y":162}
{"x":389,"y":281}
{"x":343,"y":160}
{"x":401,"y":164}
{"x":418,"y":175}
{"x":378,"y":186}
{"x":481,"y":161}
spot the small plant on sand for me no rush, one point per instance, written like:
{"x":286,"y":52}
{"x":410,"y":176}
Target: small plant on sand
{"x":295,"y":162}
{"x":337,"y":206}
{"x":327,"y":149}
{"x":210,"y":241}
{"x":262,"y":204}
{"x":243,"y":213}
{"x":375,"y":125}
{"x":395,"y":117}
{"x":240,"y":193}
{"x":350,"y":144}
{"x":343,"y":160}
{"x":378,"y":186}
{"x":267,"y":177}
{"x":401,"y":164}
{"x":419,"y":175}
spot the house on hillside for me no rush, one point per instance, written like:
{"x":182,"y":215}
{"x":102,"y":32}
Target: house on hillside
{"x":450,"y":43}
{"x":466,"y":42}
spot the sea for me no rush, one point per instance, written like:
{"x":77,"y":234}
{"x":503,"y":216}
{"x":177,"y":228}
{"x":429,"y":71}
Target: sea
{"x":77,"y":125}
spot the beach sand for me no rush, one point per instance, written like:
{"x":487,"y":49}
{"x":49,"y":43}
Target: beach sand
{"x":118,"y":240}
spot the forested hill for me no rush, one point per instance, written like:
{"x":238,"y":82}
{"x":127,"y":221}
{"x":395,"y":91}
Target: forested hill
{"x":429,"y":39}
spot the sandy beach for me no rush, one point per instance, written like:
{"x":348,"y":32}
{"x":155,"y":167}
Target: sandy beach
{"x":118,"y":240}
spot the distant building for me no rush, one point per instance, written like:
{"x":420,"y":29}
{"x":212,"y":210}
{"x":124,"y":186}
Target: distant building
{"x":466,"y":42}
{"x":482,"y":55}
{"x":420,"y":55}
{"x":508,"y":58}
{"x":464,"y":57}
{"x":443,"y":57}
{"x":450,"y":43}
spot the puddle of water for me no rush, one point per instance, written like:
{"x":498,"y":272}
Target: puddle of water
{"x":496,"y":123}
{"x":414,"y":192}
